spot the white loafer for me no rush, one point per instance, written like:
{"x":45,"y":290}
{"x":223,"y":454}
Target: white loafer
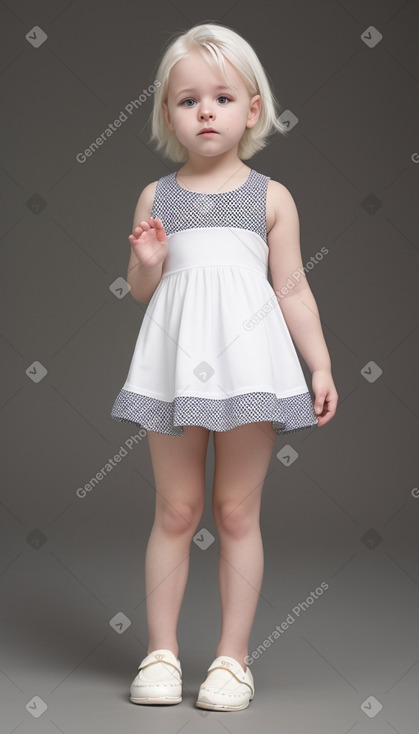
{"x":159,"y":679}
{"x":227,"y":686}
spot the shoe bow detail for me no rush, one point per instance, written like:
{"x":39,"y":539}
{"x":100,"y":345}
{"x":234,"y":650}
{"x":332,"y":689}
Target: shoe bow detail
{"x":161,"y":656}
{"x":225,"y":662}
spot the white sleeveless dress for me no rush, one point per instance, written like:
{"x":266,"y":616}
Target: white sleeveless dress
{"x":214,"y":349}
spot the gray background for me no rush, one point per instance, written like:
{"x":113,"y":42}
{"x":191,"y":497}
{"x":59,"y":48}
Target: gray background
{"x":345,"y":512}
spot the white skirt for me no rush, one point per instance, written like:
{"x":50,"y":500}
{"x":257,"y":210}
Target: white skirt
{"x":214,"y":349}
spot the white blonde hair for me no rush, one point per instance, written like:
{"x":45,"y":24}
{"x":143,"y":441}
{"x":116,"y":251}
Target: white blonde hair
{"x":215,"y":41}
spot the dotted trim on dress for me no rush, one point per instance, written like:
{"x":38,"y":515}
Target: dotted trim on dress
{"x":244,"y":207}
{"x":287,"y":415}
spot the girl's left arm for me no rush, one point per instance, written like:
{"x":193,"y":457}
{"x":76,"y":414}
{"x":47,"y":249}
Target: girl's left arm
{"x":296,"y":300}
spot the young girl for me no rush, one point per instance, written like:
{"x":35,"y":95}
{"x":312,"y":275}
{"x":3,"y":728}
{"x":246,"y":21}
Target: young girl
{"x":214,"y":352}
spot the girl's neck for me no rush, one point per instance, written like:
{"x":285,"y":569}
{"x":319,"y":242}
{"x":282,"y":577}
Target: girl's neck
{"x":215,"y":174}
{"x":226,"y":164}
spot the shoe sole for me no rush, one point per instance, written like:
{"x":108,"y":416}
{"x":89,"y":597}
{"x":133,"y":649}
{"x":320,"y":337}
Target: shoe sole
{"x":158,"y":699}
{"x":221,"y":707}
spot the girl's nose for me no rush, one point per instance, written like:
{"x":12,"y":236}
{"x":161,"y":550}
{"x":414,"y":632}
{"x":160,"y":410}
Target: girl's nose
{"x":205,"y":112}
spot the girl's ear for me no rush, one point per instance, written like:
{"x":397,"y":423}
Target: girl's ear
{"x":254,"y":110}
{"x":167,"y":116}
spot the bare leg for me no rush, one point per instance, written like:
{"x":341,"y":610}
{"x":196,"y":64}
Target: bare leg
{"x":242,"y":458}
{"x":179,"y":475}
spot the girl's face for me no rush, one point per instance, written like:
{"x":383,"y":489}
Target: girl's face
{"x":198,"y":97}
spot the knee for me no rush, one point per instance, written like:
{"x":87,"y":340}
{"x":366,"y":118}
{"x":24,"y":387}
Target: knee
{"x":232,"y":519}
{"x":179,"y":519}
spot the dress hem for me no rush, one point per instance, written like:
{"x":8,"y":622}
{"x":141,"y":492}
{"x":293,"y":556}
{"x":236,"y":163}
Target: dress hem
{"x":278,"y":431}
{"x":286,"y":415}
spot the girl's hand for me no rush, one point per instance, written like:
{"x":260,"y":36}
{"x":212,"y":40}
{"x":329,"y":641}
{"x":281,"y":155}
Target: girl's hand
{"x":149,"y":242}
{"x":326,"y":397}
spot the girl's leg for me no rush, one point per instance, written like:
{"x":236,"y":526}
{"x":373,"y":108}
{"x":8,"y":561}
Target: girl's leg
{"x":179,"y":475}
{"x":242,"y":458}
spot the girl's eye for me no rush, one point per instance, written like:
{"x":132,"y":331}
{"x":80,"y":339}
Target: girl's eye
{"x":191,"y":100}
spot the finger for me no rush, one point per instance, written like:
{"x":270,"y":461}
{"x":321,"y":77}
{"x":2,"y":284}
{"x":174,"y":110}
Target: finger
{"x":325,"y":419}
{"x":133,"y":240}
{"x":158,"y":223}
{"x":330,"y":406}
{"x":143,"y":225}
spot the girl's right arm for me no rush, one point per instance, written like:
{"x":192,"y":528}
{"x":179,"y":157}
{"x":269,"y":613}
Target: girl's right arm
{"x":148,"y":249}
